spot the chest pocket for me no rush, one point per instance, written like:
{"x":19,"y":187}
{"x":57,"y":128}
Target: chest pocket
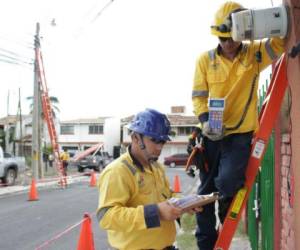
{"x":216,"y":76}
{"x":244,"y":65}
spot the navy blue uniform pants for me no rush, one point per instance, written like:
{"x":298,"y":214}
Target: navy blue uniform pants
{"x":227,"y":161}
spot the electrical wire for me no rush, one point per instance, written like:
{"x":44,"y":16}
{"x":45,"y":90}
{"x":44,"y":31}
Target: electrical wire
{"x":28,"y":66}
{"x":16,"y":54}
{"x":15,"y":59}
{"x":88,"y":21}
{"x":24,"y":44}
{"x":101,"y":11}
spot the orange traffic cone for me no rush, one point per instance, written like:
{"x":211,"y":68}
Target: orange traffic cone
{"x":177,"y":186}
{"x":33,"y":195}
{"x":86,"y":239}
{"x":93,"y":181}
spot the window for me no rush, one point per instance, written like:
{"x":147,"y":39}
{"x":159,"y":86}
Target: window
{"x":96,"y":129}
{"x":67,"y":130}
{"x":185,"y":130}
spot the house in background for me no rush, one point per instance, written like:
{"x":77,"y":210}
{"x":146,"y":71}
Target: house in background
{"x":181,"y":125}
{"x":80,"y":134}
{"x":19,"y":136}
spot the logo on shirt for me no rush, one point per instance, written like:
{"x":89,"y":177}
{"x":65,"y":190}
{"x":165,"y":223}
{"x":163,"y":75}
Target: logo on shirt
{"x":215,"y":65}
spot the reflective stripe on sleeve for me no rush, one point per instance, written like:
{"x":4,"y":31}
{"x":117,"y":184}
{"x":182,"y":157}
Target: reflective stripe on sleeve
{"x":269,"y":50}
{"x":101,"y":213}
{"x":201,"y":93}
{"x":151,"y":215}
{"x":131,"y":168}
{"x":212,"y":54}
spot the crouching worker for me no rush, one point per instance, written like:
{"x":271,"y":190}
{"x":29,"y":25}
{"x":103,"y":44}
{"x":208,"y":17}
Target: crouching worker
{"x":133,"y":190}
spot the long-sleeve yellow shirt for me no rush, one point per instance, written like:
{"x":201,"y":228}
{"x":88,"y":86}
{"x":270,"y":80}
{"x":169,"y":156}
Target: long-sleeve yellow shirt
{"x":217,"y":77}
{"x":127,"y":209}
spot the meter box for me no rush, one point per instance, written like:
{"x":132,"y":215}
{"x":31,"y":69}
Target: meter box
{"x":216,"y":109}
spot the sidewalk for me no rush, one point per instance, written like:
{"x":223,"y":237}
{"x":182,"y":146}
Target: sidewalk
{"x":44,"y":183}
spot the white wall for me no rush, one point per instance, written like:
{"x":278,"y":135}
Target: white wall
{"x":81,"y":134}
{"x":112,"y":134}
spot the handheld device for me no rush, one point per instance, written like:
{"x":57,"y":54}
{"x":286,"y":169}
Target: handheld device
{"x":216,"y":108}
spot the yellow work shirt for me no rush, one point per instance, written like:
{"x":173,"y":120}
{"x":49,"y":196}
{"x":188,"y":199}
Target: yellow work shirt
{"x":127,"y":196}
{"x":64,"y":156}
{"x":217,"y":77}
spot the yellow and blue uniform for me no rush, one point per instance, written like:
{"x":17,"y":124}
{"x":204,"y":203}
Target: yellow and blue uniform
{"x":217,"y":77}
{"x":236,"y":81}
{"x":128,"y":194}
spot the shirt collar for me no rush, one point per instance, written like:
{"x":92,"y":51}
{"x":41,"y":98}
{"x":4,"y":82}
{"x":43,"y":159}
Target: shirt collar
{"x":219,"y":49}
{"x":135,"y":161}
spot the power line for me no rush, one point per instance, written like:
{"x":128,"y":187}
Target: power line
{"x":101,"y":11}
{"x":24,"y":65}
{"x":25,"y":44}
{"x":15,"y":59}
{"x":93,"y":18}
{"x":16,"y":54}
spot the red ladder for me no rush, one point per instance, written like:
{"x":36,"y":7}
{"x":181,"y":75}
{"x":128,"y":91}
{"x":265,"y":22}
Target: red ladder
{"x":267,"y":117}
{"x":48,"y":116}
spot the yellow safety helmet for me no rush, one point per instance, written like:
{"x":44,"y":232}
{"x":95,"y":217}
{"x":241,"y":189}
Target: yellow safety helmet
{"x":222,"y":21}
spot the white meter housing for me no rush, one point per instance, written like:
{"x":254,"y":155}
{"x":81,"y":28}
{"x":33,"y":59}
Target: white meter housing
{"x":259,"y":23}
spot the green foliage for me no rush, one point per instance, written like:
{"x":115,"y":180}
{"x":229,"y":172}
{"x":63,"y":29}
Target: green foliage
{"x":172,"y":133}
{"x":2,"y":138}
{"x":54,"y":104}
{"x":28,"y":161}
{"x":11,"y":134}
{"x":186,"y":239}
{"x":48,"y":149}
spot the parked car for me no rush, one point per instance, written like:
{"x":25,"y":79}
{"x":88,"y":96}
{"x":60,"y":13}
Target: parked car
{"x":176,"y":160}
{"x":97,"y":161}
{"x":10,"y":167}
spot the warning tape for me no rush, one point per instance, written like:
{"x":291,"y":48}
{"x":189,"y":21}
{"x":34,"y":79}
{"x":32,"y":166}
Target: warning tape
{"x":56,"y":237}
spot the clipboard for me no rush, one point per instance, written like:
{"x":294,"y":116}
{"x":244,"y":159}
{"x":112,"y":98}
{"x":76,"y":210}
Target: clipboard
{"x":194,"y":200}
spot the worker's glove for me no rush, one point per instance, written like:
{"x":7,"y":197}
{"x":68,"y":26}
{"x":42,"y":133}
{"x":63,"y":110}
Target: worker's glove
{"x":207,"y":131}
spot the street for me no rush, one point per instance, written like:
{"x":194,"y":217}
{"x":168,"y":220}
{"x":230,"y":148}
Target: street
{"x":27,"y":225}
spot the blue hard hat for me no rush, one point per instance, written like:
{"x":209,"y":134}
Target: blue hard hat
{"x":151,"y":123}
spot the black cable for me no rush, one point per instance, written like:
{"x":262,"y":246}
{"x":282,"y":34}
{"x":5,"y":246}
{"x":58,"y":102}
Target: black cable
{"x":294,"y":51}
{"x":25,"y":44}
{"x":258,"y":60}
{"x":28,"y":66}
{"x":101,"y":11}
{"x":15,"y":54}
{"x":14,"y":58}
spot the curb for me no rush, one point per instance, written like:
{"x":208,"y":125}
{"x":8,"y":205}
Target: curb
{"x":42,"y":185}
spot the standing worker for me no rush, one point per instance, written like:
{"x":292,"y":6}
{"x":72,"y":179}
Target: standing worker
{"x":229,"y":73}
{"x":133,"y":190}
{"x":65,"y":158}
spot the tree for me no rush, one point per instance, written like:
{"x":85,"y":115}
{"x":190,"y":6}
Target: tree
{"x":54,"y":102}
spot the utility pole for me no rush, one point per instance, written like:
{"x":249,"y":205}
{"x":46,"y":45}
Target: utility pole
{"x":7,"y":127}
{"x":36,"y":137}
{"x":21,"y":147}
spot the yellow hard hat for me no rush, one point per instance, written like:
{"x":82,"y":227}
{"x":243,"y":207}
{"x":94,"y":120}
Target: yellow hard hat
{"x":222,"y":21}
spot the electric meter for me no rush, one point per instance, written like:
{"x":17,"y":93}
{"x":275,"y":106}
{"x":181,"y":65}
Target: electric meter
{"x":254,"y":24}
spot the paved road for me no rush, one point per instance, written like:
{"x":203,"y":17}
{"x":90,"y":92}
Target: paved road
{"x":26,"y":225}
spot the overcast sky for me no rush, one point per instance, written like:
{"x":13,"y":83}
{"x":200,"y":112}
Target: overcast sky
{"x":106,"y":58}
